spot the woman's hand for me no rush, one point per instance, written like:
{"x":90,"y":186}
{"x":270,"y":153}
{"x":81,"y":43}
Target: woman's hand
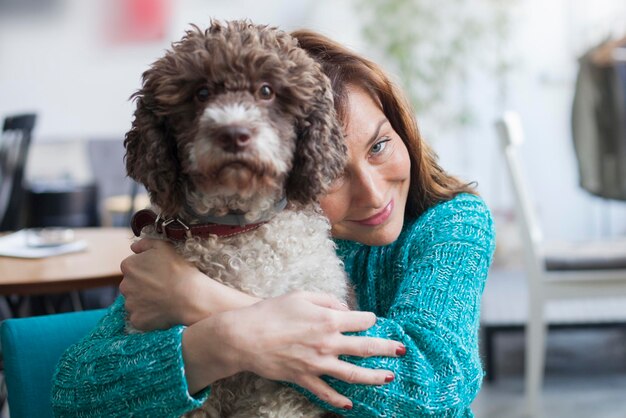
{"x":296,"y":337}
{"x":159,"y":285}
{"x":162,"y":289}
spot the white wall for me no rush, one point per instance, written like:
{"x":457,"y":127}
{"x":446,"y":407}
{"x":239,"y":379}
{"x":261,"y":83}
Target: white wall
{"x":61,"y":67}
{"x":547,"y":39}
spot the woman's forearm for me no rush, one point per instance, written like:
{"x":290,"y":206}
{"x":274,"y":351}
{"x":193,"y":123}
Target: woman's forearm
{"x":445,"y":259}
{"x":208,"y":297}
{"x":114,"y":374}
{"x":295,"y":338}
{"x":206,"y":339}
{"x":162,"y":289}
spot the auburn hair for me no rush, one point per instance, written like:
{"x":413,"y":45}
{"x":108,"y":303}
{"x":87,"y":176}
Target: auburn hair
{"x":429,"y":183}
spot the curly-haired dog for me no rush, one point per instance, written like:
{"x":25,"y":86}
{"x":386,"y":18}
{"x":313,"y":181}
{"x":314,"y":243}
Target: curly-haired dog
{"x":235,"y":138}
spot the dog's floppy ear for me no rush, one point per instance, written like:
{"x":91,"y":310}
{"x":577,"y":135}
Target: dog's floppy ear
{"x":151,"y":155}
{"x":320,"y":153}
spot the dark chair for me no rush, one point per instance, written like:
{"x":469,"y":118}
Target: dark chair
{"x":14,"y":146}
{"x":62,"y":203}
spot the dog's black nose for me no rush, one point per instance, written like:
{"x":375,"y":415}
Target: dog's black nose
{"x":234,"y":138}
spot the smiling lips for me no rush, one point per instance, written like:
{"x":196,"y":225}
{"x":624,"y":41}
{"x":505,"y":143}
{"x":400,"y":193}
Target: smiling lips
{"x":378,"y":218}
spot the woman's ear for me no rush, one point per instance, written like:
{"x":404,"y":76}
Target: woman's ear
{"x":320,"y":153}
{"x":152,"y":156}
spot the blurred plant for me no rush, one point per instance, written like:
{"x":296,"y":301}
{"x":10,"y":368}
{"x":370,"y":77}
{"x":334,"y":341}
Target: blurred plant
{"x":432,"y":45}
{"x":504,"y":61}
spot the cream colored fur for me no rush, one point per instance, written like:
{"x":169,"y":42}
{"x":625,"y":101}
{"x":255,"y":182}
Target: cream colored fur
{"x":185,"y":148}
{"x":291,"y":252}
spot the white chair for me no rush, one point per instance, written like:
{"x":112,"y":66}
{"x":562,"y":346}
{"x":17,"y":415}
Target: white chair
{"x":592,"y":270}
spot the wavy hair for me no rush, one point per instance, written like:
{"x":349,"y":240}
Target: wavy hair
{"x":429,"y":183}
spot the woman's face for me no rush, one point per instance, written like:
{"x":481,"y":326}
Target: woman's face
{"x":367,"y":203}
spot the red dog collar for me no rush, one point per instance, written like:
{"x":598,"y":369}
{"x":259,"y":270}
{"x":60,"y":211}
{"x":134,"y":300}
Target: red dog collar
{"x":176,"y":230}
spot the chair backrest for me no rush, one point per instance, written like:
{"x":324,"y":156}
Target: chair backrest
{"x":31,"y":348}
{"x":62,"y":203}
{"x":106,"y":158}
{"x":14,"y":146}
{"x":511,"y":135}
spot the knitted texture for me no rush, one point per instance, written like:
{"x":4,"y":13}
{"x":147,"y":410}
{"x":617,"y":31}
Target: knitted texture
{"x":114,"y":374}
{"x":425,"y":289}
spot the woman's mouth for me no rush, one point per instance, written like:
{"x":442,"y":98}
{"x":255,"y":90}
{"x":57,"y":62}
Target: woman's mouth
{"x":378,"y":218}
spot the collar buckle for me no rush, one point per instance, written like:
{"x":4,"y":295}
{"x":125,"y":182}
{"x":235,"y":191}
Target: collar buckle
{"x":167,"y":222}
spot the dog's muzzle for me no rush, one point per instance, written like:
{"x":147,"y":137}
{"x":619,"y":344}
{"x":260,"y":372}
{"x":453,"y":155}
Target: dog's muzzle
{"x":233,"y":138}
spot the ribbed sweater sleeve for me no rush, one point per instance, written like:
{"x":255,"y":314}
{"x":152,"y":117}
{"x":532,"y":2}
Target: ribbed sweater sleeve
{"x":114,"y":374}
{"x":425,"y":289}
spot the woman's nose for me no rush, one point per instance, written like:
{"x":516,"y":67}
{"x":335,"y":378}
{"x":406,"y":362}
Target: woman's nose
{"x":368,"y":189}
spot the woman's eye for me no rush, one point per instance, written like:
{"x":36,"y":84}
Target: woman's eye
{"x":202,"y":94}
{"x":265,"y":92}
{"x":380,"y":146}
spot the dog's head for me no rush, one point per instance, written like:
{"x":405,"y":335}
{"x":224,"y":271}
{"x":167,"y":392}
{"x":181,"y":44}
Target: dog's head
{"x":233,"y":112}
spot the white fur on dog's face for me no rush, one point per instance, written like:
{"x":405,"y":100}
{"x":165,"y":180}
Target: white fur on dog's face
{"x":258,"y":169}
{"x":265,"y":146}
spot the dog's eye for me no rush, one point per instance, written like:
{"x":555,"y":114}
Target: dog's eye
{"x":265,"y":92}
{"x":202,"y":94}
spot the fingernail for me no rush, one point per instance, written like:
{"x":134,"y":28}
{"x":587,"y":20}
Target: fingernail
{"x":400,"y":351}
{"x":348,"y":407}
{"x":389,"y":378}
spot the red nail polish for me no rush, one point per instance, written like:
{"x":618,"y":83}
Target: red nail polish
{"x":389,"y":378}
{"x":348,"y":407}
{"x":400,"y":351}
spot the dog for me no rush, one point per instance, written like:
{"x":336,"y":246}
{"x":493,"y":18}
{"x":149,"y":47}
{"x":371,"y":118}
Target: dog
{"x":235,"y":138}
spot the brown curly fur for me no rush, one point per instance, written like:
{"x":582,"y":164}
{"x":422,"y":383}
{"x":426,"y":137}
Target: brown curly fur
{"x":232,"y":58}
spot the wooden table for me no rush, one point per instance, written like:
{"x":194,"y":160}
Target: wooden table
{"x":98,"y":265}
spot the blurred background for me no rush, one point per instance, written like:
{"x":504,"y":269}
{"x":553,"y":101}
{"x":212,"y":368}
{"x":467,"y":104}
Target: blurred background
{"x":74,"y":63}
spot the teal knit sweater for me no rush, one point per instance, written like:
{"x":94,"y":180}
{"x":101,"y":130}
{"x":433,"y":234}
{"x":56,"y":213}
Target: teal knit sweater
{"x":425,"y":289}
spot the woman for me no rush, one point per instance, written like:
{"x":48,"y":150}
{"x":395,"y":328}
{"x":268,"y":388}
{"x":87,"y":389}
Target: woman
{"x":416,"y":242}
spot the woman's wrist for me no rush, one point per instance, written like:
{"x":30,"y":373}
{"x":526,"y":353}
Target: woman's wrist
{"x":208,"y":297}
{"x":207,"y":356}
{"x":198,"y":304}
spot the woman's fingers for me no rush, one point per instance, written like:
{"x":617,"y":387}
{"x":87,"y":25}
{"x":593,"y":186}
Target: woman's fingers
{"x":351,"y":321}
{"x":145,"y":244}
{"x":322,"y":390}
{"x":369,"y":347}
{"x":324,"y":300}
{"x":350,"y":373}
